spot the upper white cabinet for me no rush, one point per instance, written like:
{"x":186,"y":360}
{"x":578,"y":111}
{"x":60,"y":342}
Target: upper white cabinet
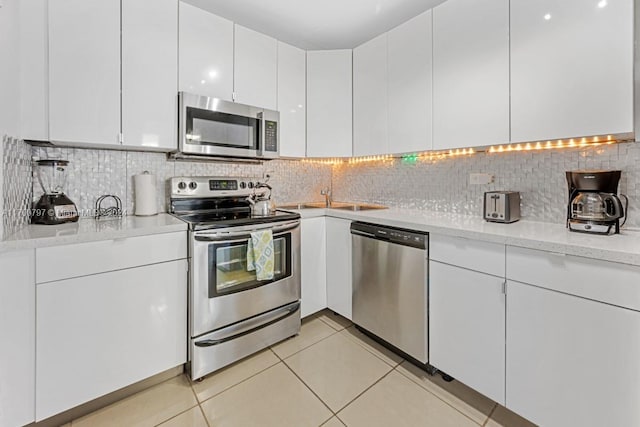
{"x":34,"y":84}
{"x":149,"y":73}
{"x":292,"y":100}
{"x":471,"y":73}
{"x":409,"y":69}
{"x":370,"y":101}
{"x":205,"y":53}
{"x":255,"y":68}
{"x":329,"y":103}
{"x":84,"y":71}
{"x":571,"y":68}
{"x":17,"y":332}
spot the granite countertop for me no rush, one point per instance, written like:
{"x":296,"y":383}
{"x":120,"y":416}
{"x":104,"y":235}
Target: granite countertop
{"x":90,"y":230}
{"x":622,"y":248}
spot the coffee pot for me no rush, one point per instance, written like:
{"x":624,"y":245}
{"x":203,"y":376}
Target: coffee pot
{"x":594,"y":205}
{"x":261,"y":203}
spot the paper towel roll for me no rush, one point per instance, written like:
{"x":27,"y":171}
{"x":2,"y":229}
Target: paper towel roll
{"x":145,"y":194}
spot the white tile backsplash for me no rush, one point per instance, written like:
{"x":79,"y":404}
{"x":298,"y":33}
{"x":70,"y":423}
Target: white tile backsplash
{"x":437,"y":185}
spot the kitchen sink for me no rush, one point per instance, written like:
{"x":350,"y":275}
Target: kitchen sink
{"x":359,"y":207}
{"x":302,"y":206}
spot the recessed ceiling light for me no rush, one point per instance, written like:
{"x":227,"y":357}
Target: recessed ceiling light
{"x":547,"y":16}
{"x":602,"y":3}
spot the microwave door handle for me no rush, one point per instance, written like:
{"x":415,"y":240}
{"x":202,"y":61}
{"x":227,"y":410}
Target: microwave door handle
{"x":260,"y":148}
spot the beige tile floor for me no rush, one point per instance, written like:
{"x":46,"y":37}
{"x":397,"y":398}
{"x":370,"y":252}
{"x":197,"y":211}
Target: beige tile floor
{"x":330,"y":375}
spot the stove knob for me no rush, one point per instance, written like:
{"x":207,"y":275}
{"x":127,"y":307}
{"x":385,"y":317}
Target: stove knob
{"x":182,"y":185}
{"x":250,"y":184}
{"x":243,"y":185}
{"x":193,"y":185}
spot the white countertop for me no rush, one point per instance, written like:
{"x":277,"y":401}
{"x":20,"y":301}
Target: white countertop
{"x":622,"y":248}
{"x":89,"y":230}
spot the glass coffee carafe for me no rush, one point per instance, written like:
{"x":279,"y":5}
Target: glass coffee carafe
{"x":596,"y":207}
{"x":53,"y":207}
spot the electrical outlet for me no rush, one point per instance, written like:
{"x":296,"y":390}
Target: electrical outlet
{"x":480,"y":178}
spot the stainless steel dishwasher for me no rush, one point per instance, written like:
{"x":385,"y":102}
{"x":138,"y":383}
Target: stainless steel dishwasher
{"x":390,"y":285}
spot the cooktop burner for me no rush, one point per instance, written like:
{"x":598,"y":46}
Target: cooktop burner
{"x":215,"y":202}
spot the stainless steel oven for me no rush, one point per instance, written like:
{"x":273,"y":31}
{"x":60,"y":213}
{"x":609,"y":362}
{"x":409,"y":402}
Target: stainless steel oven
{"x":232,"y":314}
{"x":216,"y":128}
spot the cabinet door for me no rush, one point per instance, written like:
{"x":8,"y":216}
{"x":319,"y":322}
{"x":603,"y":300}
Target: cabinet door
{"x":466,"y":327}
{"x":571,"y":361}
{"x":339,"y":287}
{"x":292,"y":100}
{"x":370,"y":102}
{"x":17,"y":334}
{"x":410,"y":68}
{"x":470,"y":73}
{"x":110,"y":330}
{"x":329,"y":105}
{"x":84,"y":71}
{"x":205,"y":53}
{"x":150,"y":74}
{"x":313,"y":266}
{"x":571,"y":68}
{"x":255,"y":68}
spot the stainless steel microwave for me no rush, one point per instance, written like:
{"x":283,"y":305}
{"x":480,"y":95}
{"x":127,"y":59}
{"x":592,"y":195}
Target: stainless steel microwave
{"x":213,"y":127}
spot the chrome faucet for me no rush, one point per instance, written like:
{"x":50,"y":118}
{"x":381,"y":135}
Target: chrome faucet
{"x":326,"y":192}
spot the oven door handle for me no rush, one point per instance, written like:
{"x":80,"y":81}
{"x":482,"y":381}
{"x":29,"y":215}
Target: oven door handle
{"x":250,"y":326}
{"x":213,"y":237}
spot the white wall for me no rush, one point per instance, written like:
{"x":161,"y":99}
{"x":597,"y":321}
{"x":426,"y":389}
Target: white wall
{"x":9,"y":80}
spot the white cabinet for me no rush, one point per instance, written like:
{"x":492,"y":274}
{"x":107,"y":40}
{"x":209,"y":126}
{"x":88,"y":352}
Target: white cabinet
{"x":467,"y":327}
{"x":571,"y":68}
{"x":471,"y":73}
{"x":205,"y":53}
{"x":314,"y":260}
{"x":99,"y":333}
{"x":255,"y":68}
{"x":571,"y":361}
{"x":409,"y":68}
{"x":84,"y":71}
{"x":17,"y":333}
{"x":149,"y":73}
{"x":467,"y":311}
{"x":370,"y":101}
{"x":339,"y":285}
{"x":34,"y":85}
{"x":292,"y":100}
{"x":329,"y":103}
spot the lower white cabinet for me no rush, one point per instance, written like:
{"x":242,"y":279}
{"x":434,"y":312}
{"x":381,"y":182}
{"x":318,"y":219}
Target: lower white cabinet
{"x":339,"y":285}
{"x":96,"y":334}
{"x":314,"y":260}
{"x":571,"y":361}
{"x":467,"y":327}
{"x":17,"y":335}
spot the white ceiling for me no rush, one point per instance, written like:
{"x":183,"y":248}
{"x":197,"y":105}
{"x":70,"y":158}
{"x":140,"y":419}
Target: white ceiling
{"x":318,"y":24}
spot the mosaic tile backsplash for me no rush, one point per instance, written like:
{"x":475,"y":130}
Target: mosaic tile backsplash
{"x":443,"y":185}
{"x":437,"y":185}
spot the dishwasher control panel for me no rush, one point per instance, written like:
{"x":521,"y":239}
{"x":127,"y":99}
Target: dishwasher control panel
{"x":400,"y":236}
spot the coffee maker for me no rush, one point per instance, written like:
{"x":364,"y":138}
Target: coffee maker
{"x":53,"y":207}
{"x":594,"y":205}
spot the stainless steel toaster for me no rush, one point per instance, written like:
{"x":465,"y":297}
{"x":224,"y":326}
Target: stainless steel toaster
{"x":502,"y":206}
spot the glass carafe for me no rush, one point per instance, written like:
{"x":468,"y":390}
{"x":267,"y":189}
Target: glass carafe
{"x":52,"y":175}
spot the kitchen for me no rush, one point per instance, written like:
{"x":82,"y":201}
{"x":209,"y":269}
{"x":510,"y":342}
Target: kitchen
{"x":425,"y":110}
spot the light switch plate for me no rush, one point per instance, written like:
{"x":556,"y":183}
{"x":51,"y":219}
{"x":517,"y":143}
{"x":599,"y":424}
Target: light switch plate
{"x":480,"y":178}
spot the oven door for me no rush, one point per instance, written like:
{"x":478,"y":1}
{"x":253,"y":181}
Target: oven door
{"x":223,"y":291}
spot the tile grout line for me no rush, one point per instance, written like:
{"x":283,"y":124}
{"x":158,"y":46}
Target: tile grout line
{"x":495,"y":407}
{"x":442,"y":400}
{"x":333,"y":414}
{"x":304,"y":348}
{"x":363,"y":392}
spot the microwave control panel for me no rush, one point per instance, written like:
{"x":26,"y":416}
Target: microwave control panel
{"x":271,"y":136}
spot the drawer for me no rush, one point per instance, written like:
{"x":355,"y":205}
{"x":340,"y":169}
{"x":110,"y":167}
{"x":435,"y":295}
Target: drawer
{"x":82,"y":259}
{"x":467,"y":253}
{"x":604,"y":281}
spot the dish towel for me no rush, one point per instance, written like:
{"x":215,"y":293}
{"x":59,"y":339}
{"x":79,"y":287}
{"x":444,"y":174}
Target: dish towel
{"x":260,"y":254}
